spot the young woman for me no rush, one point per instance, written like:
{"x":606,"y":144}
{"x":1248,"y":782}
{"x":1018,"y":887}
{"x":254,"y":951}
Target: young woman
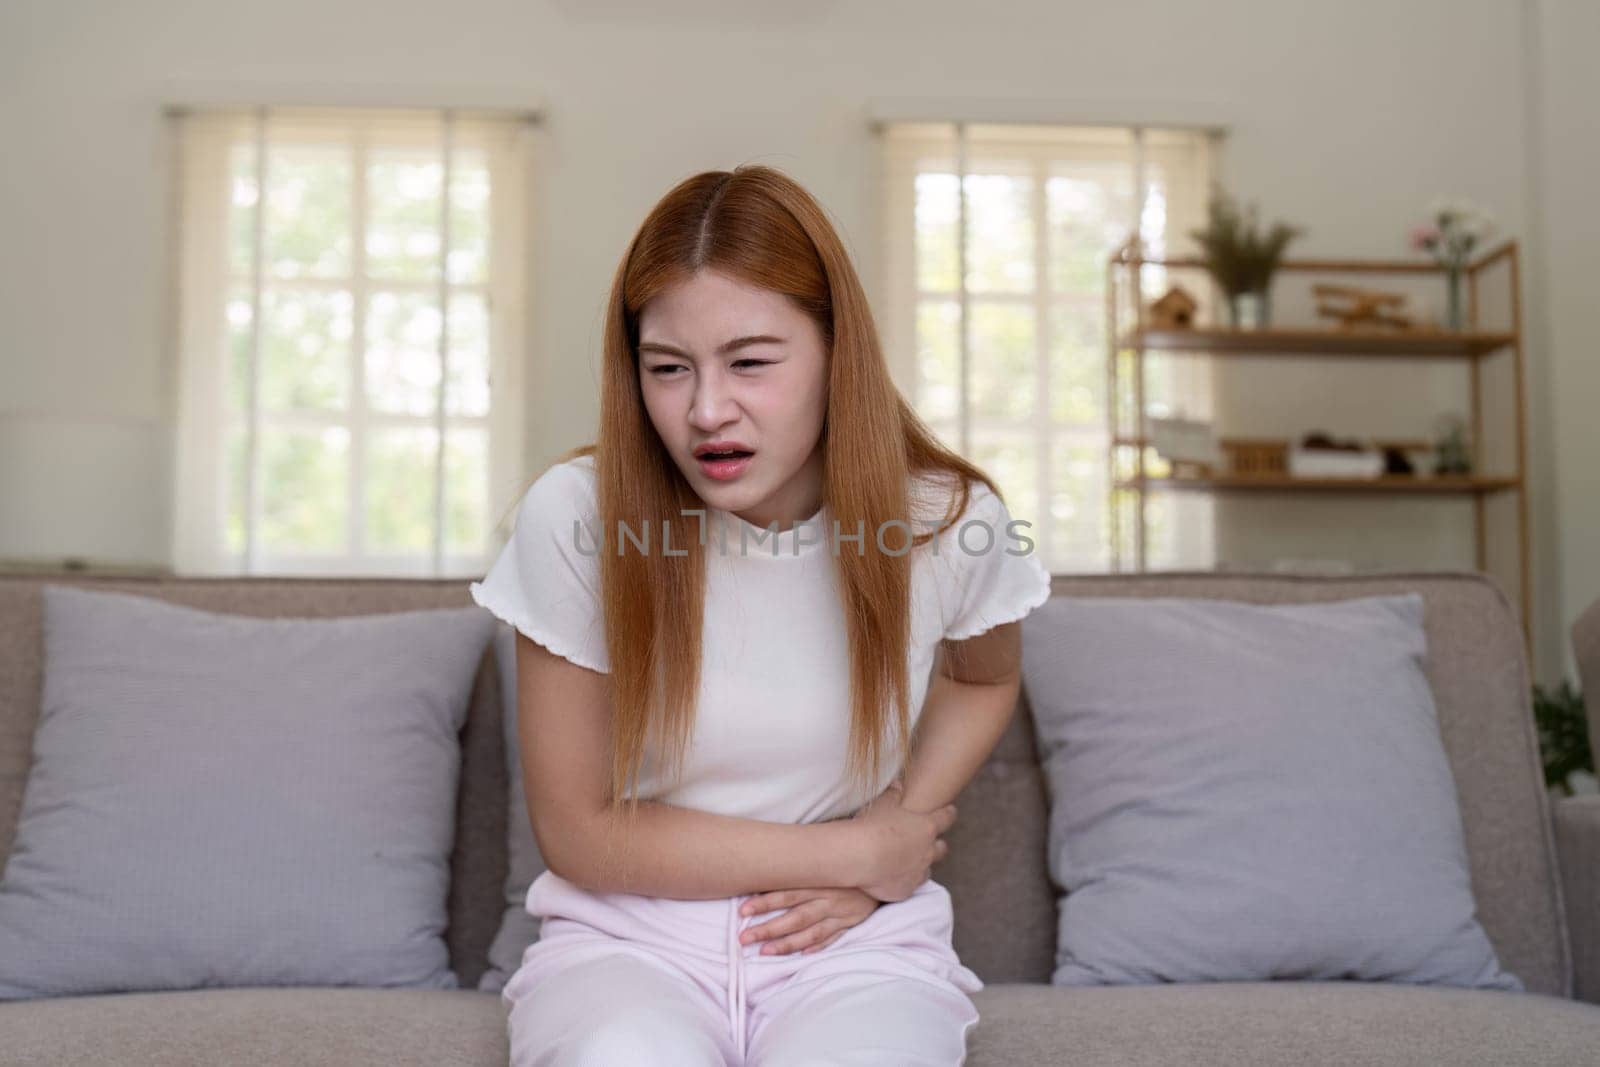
{"x":733,"y":608}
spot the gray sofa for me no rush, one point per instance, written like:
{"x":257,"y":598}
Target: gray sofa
{"x":1535,"y":871}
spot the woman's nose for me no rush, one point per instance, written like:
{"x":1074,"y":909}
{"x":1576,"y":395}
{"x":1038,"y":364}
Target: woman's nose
{"x":713,"y":403}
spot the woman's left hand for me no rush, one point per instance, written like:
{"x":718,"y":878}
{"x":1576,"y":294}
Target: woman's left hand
{"x":816,"y":917}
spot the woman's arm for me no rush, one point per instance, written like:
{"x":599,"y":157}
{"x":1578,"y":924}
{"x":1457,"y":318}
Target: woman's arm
{"x":562,"y":719}
{"x":968,"y":707}
{"x":696,"y":855}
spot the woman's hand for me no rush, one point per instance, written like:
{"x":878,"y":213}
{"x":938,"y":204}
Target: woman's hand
{"x":902,"y":845}
{"x":816,"y":918}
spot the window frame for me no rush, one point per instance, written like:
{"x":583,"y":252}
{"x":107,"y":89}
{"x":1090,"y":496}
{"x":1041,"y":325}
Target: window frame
{"x":202,"y":141}
{"x":972,"y":147}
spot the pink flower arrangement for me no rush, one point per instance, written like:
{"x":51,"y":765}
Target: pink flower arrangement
{"x":1424,"y":238}
{"x":1457,"y":228}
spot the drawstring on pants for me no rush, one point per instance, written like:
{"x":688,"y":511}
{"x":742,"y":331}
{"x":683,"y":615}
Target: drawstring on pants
{"x":735,"y":976}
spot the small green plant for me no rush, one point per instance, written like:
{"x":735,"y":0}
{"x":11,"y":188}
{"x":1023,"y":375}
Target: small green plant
{"x":1563,"y":733}
{"x":1239,"y":256}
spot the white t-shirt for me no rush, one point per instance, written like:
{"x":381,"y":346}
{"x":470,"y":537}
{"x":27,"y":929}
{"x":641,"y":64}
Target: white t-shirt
{"x":772,"y":725}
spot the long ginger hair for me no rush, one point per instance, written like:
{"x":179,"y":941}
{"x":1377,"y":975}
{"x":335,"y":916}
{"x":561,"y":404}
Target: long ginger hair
{"x":758,"y":225}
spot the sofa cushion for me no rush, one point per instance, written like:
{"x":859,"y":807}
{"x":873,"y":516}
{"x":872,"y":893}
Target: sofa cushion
{"x":1225,"y":1024}
{"x":1267,"y":1024}
{"x":222,"y":800}
{"x":261,"y":1027}
{"x":1243,"y":792}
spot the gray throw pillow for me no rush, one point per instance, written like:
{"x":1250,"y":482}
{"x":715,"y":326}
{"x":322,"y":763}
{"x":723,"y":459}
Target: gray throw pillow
{"x":1243,"y":792}
{"x":518,"y":929}
{"x":223,"y":800}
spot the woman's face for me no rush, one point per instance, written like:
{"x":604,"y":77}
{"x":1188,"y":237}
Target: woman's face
{"x":727,"y":364}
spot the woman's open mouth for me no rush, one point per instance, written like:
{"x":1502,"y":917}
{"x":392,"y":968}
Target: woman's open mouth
{"x":724,"y":466}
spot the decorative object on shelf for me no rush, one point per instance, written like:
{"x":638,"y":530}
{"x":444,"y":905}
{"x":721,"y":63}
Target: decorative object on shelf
{"x":1269,"y":456}
{"x":1320,"y":456}
{"x":1174,"y":311}
{"x":1452,"y":454}
{"x":1187,"y":443}
{"x":1355,"y":307}
{"x":1241,"y":258}
{"x":1256,"y":456}
{"x":1563,"y":738}
{"x":1457,"y":228}
{"x":1395,"y":460}
{"x":1250,"y":311}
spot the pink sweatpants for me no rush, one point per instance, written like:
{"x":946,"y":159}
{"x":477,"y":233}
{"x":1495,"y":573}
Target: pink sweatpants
{"x":622,"y":980}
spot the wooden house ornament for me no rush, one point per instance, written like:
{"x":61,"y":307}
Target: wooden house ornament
{"x":1174,"y":311}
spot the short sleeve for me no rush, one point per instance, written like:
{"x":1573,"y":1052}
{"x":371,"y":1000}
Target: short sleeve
{"x":993,"y":584}
{"x":546,"y":580}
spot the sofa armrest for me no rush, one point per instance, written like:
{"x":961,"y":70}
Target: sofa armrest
{"x":1578,"y":848}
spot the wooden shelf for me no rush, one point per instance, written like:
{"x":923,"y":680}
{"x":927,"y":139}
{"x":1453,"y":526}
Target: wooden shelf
{"x":1130,"y":339}
{"x":1278,"y":483}
{"x":1416,"y":343}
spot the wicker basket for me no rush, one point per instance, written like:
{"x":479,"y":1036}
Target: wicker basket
{"x":1255,"y":455}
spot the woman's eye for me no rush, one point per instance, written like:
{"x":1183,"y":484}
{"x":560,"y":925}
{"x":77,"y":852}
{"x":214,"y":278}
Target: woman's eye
{"x":662,"y":370}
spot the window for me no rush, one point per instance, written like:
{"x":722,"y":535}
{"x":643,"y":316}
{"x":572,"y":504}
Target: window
{"x":997,"y":240}
{"x":349,"y":297}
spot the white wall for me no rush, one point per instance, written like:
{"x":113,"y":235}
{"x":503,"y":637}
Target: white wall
{"x":1346,"y":117}
{"x":1565,"y":181}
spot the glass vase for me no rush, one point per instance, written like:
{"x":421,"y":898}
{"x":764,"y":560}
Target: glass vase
{"x":1248,"y":310}
{"x":1454,"y":309}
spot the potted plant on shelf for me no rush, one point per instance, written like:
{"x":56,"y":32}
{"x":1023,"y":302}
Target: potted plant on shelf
{"x":1241,"y":258}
